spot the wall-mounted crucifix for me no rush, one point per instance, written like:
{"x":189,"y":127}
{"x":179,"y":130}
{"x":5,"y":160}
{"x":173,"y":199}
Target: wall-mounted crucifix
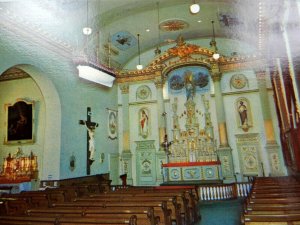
{"x":90,"y":126}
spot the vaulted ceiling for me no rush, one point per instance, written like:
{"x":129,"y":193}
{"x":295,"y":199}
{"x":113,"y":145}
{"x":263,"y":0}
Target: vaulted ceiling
{"x":58,"y":24}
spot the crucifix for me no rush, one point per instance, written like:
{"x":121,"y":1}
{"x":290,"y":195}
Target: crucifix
{"x":90,"y":127}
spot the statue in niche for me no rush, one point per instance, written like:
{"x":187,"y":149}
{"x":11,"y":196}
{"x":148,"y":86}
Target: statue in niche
{"x":189,"y":85}
{"x":244,"y":114}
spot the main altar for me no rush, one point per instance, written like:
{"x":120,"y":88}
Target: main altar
{"x":192,"y":155}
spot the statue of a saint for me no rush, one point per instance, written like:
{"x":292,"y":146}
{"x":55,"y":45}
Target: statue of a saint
{"x":144,"y":126}
{"x":243,"y":113}
{"x":189,"y":85}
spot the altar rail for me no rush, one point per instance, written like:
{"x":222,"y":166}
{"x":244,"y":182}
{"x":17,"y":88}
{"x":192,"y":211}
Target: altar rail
{"x":224,"y":191}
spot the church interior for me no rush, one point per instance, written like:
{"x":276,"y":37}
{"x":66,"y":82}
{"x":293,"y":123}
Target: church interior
{"x":144,"y":99}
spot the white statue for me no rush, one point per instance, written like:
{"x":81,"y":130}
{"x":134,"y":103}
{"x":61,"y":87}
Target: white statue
{"x":91,"y":132}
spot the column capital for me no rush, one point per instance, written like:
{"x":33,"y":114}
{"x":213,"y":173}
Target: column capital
{"x":216,"y":76}
{"x":159,"y":83}
{"x":124,"y":88}
{"x":260,"y":74}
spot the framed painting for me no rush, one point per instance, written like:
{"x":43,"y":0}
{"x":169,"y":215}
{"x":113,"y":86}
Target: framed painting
{"x":19,"y":122}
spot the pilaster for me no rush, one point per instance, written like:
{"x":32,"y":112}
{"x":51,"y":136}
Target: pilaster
{"x":271,"y":147}
{"x":160,"y":108}
{"x":127,"y":166}
{"x":125,"y":119}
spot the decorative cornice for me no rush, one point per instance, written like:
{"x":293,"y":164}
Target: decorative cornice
{"x":240,"y":92}
{"x":142,"y":103}
{"x":148,"y":73}
{"x":241,"y":63}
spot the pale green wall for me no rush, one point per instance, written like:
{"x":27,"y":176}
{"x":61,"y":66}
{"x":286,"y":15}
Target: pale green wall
{"x":68,"y":99}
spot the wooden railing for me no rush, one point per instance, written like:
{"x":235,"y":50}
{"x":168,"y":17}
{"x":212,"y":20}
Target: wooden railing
{"x":224,"y":191}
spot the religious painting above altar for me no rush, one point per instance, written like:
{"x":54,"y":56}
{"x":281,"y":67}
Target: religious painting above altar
{"x":19,"y":124}
{"x":191,"y":79}
{"x":144,"y":122}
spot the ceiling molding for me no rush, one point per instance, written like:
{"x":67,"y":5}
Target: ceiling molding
{"x":14,"y":24}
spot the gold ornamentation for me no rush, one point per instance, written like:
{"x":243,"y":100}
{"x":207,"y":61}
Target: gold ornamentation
{"x":216,"y":76}
{"x":173,"y":25}
{"x":159,"y":83}
{"x":182,"y":49}
{"x":124,"y":88}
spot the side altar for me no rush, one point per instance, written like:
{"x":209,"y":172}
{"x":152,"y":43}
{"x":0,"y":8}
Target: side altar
{"x":192,"y":155}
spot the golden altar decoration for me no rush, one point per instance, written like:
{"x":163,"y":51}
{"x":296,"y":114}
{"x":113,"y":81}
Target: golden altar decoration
{"x":19,"y":168}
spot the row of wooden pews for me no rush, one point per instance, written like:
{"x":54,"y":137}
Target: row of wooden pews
{"x":273,"y":201}
{"x":93,"y":204}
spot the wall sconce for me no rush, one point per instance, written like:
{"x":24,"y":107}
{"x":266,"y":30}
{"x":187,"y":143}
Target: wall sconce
{"x":139,"y":66}
{"x":194,"y":8}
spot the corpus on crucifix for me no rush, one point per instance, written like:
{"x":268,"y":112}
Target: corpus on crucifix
{"x":91,"y":127}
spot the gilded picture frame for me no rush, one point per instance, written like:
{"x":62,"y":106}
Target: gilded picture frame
{"x":19,"y":122}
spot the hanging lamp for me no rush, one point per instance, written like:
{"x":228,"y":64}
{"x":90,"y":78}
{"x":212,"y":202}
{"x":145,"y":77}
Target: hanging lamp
{"x":139,"y":66}
{"x":213,"y":43}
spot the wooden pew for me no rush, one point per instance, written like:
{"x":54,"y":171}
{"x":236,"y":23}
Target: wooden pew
{"x":171,"y":203}
{"x":160,"y":208}
{"x":273,"y":201}
{"x":20,"y":220}
{"x":188,"y":207}
{"x":145,"y":217}
{"x":282,"y":219}
{"x":188,"y":194}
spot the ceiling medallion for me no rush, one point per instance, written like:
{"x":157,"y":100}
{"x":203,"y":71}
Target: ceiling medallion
{"x":173,"y":25}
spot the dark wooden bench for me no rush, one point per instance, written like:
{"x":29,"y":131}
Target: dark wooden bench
{"x":273,"y":201}
{"x":22,"y":220}
{"x":160,"y":208}
{"x":171,"y":203}
{"x":282,"y":219}
{"x":145,"y":217}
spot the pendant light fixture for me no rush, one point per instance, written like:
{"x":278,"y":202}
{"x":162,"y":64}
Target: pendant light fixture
{"x":194,"y":8}
{"x":158,"y":50}
{"x":92,"y":70}
{"x":213,"y":43}
{"x":139,"y":66}
{"x":87,"y":30}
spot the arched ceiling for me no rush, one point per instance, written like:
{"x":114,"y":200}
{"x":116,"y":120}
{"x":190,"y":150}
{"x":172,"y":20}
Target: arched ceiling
{"x":116,"y":23}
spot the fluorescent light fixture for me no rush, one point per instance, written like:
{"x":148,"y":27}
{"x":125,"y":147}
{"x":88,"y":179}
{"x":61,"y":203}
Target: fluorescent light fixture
{"x":96,"y":74}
